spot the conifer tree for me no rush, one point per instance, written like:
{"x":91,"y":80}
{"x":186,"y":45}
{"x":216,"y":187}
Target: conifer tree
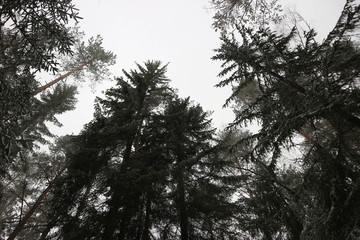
{"x":147,"y":167}
{"x":145,"y":91}
{"x":34,"y":36}
{"x":309,"y":90}
{"x":118,"y":125}
{"x":32,"y":33}
{"x":201,"y":200}
{"x":27,"y":169}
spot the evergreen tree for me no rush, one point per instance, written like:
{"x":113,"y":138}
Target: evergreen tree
{"x":308,"y":90}
{"x":146,"y":167}
{"x":118,"y":124}
{"x":28,"y":170}
{"x":142,"y":95}
{"x":34,"y":35}
{"x":258,"y":13}
{"x":200,"y":197}
{"x":31,"y":33}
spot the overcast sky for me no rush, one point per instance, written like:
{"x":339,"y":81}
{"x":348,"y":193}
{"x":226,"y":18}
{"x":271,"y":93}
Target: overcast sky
{"x":174,"y":32}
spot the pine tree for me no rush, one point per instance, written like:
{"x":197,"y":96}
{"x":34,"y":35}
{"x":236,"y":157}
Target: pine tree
{"x":29,"y":40}
{"x":34,"y":36}
{"x":28,"y":171}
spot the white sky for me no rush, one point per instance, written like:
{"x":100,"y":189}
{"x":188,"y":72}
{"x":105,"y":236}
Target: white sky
{"x":174,"y":32}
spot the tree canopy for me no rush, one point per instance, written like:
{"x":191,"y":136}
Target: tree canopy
{"x":150,"y":164}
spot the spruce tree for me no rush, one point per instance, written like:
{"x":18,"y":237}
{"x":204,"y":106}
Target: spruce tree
{"x":147,"y":167}
{"x":200,"y":197}
{"x":118,"y":125}
{"x":305,"y":90}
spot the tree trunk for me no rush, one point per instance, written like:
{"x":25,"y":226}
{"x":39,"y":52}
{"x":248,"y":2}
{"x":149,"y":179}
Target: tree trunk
{"x":145,"y":234}
{"x":116,"y":202}
{"x":111,"y":223}
{"x":42,"y":88}
{"x":124,"y":222}
{"x":37,"y":204}
{"x":182,"y":207}
{"x":131,"y":203}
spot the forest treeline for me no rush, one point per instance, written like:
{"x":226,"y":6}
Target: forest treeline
{"x":150,"y":165}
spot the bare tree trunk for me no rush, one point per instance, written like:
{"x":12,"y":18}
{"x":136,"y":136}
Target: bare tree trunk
{"x":42,"y":88}
{"x":37,"y":204}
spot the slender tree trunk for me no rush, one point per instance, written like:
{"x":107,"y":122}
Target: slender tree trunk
{"x":143,"y":109}
{"x":42,"y":88}
{"x":124,"y":222}
{"x":116,"y":201}
{"x":111,"y":223}
{"x":184,"y":222}
{"x":37,"y":204}
{"x":145,"y":234}
{"x":131,"y":203}
{"x":127,"y":154}
{"x":140,"y":222}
